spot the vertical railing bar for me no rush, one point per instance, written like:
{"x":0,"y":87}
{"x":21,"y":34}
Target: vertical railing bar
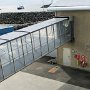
{"x":60,"y":31}
{"x":40,"y":42}
{"x":55,"y":27}
{"x":32,"y":46}
{"x":70,"y":29}
{"x":47,"y":38}
{"x":18,"y":48}
{"x":54,"y":35}
{"x":33,"y":42}
{"x":2,"y":69}
{"x":26,"y":45}
{"x":9,"y":54}
{"x":12,"y":57}
{"x":57,"y":35}
{"x":65,"y":28}
{"x":23,"y":51}
{"x":65,"y":33}
{"x":71,"y":20}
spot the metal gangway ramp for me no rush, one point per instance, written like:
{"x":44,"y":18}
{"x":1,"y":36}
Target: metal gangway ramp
{"x":24,"y":46}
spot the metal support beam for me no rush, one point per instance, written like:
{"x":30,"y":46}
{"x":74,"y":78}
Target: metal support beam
{"x":1,"y":69}
{"x":32,"y":45}
{"x":12,"y":57}
{"x":40,"y":42}
{"x":47,"y":38}
{"x":23,"y":51}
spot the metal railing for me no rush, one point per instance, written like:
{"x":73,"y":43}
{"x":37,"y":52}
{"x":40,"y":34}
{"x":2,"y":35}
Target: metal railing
{"x":15,"y":54}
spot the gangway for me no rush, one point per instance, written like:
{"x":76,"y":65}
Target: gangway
{"x":24,"y":46}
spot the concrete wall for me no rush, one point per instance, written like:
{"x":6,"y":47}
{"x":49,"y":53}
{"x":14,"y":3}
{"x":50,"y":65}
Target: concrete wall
{"x":81,"y":45}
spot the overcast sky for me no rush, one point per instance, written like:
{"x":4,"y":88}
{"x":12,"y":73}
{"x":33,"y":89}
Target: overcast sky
{"x":30,"y":5}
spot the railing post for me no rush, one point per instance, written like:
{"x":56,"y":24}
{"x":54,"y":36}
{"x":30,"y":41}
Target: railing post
{"x":1,"y":69}
{"x":26,"y":44}
{"x":9,"y":54}
{"x":18,"y":48}
{"x":71,"y":19}
{"x":47,"y":38}
{"x":60,"y":32}
{"x":54,"y":35}
{"x":65,"y":28}
{"x":12,"y":57}
{"x":23,"y":51}
{"x":32,"y":45}
{"x":40,"y":42}
{"x":60,"y":28}
{"x":33,"y":42}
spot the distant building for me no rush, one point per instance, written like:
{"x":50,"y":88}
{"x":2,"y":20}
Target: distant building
{"x":77,"y":53}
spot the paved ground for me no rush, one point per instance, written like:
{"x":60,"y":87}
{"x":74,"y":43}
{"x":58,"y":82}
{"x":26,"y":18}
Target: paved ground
{"x":37,"y":77}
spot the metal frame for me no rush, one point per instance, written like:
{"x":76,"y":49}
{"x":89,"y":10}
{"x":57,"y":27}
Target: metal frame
{"x":31,"y":41}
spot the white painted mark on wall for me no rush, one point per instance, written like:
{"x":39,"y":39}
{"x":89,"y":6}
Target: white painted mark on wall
{"x":67,"y":56}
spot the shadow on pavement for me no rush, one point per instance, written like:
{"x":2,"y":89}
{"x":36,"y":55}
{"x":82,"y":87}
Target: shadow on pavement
{"x":64,"y":74}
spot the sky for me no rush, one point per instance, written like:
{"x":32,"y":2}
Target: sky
{"x":29,"y":5}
